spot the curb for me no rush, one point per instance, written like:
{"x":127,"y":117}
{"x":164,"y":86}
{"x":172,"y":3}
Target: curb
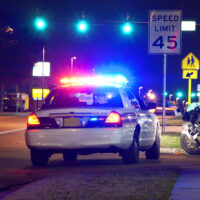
{"x":14,"y":114}
{"x":177,"y":151}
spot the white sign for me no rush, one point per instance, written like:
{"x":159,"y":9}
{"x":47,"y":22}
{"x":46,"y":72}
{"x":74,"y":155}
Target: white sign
{"x":198,"y":87}
{"x":41,"y":69}
{"x":165,"y":32}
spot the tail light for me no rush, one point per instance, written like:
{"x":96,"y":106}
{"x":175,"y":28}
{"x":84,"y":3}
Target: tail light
{"x":33,"y":120}
{"x":152,"y":110}
{"x":113,"y":118}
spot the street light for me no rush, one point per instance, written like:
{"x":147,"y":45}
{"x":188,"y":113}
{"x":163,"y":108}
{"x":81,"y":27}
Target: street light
{"x":151,"y":96}
{"x":140,"y":89}
{"x":170,"y":97}
{"x":72,"y":59}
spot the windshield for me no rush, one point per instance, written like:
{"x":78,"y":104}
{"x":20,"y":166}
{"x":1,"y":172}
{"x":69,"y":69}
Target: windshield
{"x":83,"y":97}
{"x":192,"y":106}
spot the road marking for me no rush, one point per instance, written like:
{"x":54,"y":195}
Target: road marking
{"x":12,"y":131}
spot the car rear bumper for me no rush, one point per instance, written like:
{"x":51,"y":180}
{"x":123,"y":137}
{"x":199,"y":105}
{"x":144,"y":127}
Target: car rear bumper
{"x":79,"y":138}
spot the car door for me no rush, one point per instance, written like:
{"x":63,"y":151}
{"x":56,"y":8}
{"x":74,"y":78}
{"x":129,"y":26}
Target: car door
{"x":145,"y":120}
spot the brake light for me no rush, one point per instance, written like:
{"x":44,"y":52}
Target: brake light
{"x":113,"y":117}
{"x":33,"y":120}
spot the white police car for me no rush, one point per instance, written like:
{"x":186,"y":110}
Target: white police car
{"x":92,"y":115}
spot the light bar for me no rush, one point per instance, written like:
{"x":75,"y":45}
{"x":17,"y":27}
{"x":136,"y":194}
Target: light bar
{"x":117,"y":81}
{"x":188,"y":25}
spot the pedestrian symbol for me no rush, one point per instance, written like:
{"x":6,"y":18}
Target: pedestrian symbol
{"x":190,"y":62}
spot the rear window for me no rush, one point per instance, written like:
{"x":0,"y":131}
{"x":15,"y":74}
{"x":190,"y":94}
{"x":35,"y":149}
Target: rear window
{"x":83,"y":97}
{"x":168,"y":104}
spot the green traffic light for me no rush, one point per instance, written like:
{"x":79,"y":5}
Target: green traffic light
{"x":40,"y":24}
{"x":179,"y":94}
{"x":127,"y":28}
{"x":82,"y":26}
{"x":166,"y":93}
{"x":193,"y":94}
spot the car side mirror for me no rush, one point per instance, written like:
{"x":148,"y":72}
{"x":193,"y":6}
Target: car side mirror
{"x":151,"y":105}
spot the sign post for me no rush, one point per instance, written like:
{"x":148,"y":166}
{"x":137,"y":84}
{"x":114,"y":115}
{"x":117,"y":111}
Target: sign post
{"x":189,"y":91}
{"x":190,"y":66}
{"x":165,"y":38}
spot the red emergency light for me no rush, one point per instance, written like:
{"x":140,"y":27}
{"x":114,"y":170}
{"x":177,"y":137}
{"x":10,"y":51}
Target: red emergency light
{"x":118,"y":81}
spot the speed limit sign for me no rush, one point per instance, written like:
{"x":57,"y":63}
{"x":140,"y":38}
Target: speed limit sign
{"x":165,"y":32}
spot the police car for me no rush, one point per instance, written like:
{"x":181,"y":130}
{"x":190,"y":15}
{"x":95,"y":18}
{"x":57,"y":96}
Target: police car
{"x":93,"y":115}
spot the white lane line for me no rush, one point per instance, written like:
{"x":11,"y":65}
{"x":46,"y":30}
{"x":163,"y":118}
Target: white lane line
{"x":12,"y":131}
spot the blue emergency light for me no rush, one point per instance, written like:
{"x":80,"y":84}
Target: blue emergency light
{"x":117,"y":81}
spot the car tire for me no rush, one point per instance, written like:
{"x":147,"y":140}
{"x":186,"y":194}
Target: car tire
{"x":190,"y":146}
{"x":39,"y":158}
{"x":131,"y":155}
{"x":70,"y":155}
{"x":154,"y":152}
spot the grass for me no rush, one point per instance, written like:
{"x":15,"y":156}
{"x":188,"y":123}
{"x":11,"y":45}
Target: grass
{"x":127,"y":182}
{"x":174,"y":121}
{"x":171,"y":140}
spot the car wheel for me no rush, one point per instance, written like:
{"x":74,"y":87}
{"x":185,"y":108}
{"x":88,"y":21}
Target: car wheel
{"x":189,"y":145}
{"x":154,"y":152}
{"x":39,"y":158}
{"x":70,"y":155}
{"x":131,"y":155}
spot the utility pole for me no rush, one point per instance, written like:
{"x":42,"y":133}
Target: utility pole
{"x":17,"y":90}
{"x":1,"y":97}
{"x":43,"y":54}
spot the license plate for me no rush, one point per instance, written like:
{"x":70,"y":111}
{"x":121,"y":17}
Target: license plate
{"x":72,"y":122}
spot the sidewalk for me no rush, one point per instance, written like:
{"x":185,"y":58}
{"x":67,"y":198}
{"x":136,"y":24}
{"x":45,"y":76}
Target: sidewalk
{"x":173,"y":128}
{"x":187,"y":186}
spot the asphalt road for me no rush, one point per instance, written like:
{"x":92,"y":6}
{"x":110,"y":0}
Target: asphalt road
{"x":16,"y":169}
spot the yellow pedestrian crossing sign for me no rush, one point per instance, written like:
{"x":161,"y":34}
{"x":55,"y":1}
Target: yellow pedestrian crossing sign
{"x":190,"y":74}
{"x":190,"y":62}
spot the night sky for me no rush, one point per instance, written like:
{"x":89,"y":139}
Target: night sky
{"x":104,"y":47}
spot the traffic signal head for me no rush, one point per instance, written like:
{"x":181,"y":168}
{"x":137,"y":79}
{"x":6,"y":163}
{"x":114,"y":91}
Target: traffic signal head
{"x":40,"y":24}
{"x":82,"y":26}
{"x":127,"y":28}
{"x":193,"y":94}
{"x":166,"y":93}
{"x":179,"y":94}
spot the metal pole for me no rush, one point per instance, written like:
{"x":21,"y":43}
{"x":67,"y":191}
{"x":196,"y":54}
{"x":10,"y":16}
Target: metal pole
{"x":164,"y":90}
{"x":17,"y":90}
{"x":189,"y":90}
{"x":71,"y":66}
{"x":2,"y":98}
{"x":43,"y":54}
